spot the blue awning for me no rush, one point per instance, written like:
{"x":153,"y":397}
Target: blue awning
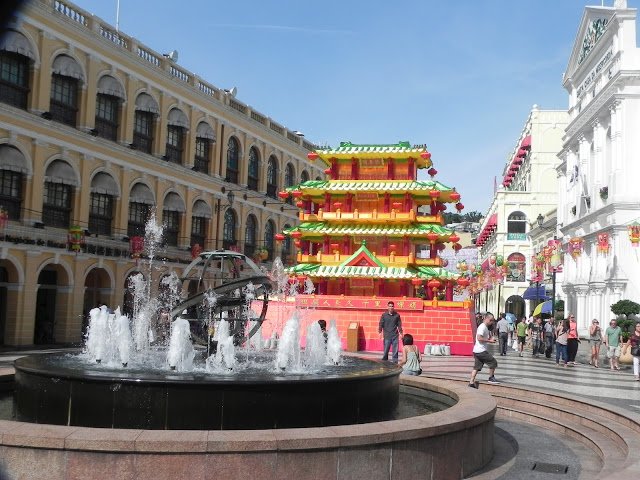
{"x":536,"y":293}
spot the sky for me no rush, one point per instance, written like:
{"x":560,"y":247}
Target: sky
{"x":460,"y":76}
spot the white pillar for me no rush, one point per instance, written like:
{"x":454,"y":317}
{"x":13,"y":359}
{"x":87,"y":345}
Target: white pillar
{"x":581,"y":309}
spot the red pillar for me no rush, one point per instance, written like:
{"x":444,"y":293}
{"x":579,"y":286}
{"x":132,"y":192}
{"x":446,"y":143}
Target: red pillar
{"x":387,"y":202}
{"x":433,"y":250}
{"x":449,"y":292}
{"x":391,"y":169}
{"x":412,"y":169}
{"x":327,"y":202}
{"x":326,"y":245}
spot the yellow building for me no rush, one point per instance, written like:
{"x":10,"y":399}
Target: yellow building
{"x":97,"y":131}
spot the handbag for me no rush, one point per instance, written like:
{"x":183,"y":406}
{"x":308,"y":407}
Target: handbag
{"x":635,"y":351}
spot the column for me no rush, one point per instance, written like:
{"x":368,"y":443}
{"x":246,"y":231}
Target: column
{"x":581,"y":308}
{"x":615,"y":173}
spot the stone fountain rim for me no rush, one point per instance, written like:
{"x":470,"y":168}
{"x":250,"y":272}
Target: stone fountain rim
{"x":382,"y":370}
{"x":472,"y":408}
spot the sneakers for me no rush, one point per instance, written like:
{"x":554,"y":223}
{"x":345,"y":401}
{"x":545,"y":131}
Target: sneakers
{"x":473,"y":385}
{"x":492,"y":380}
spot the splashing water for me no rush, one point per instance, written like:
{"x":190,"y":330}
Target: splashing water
{"x":315,"y":352}
{"x":181,"y":351}
{"x":288,"y":354}
{"x":334,"y":345}
{"x":225,"y":356}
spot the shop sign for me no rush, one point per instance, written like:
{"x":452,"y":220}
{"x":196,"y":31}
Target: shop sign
{"x":359,"y":303}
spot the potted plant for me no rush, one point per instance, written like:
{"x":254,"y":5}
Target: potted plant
{"x":604,"y":193}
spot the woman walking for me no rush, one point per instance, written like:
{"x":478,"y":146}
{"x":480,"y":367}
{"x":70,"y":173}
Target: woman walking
{"x":634,"y":344}
{"x":572,"y":341}
{"x":595,"y":340}
{"x":561,"y":342}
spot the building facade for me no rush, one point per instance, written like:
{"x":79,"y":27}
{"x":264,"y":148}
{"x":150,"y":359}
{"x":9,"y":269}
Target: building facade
{"x":598,"y":195}
{"x":96,"y":132}
{"x":510,"y":230}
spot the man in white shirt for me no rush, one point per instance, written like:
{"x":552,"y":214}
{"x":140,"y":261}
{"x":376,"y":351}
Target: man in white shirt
{"x":503,"y":334}
{"x":480,"y":354}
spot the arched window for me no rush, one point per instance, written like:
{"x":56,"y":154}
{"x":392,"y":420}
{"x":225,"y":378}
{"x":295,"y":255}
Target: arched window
{"x":13,"y":167}
{"x":172,"y":210}
{"x":205,"y":137}
{"x":233,"y":160}
{"x":58,"y":194}
{"x":516,"y":267}
{"x":254,"y":169}
{"x":177,"y":124}
{"x":272,"y":177}
{"x":269,"y":231}
{"x":143,"y":122}
{"x":250,"y":234}
{"x":304,"y":176}
{"x":110,"y":96}
{"x":229,"y":229}
{"x":65,"y":84}
{"x":200,"y":214}
{"x":517,"y":223}
{"x":141,"y":201}
{"x":289,"y":180}
{"x":104,"y":191}
{"x":286,"y":246}
{"x":16,"y":55}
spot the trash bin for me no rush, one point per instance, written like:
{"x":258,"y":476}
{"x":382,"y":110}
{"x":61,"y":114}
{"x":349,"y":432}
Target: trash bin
{"x":352,"y":337}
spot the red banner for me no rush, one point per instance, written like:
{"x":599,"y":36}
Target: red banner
{"x":360,"y":303}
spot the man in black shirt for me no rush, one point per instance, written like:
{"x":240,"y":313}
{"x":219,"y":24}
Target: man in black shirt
{"x":391,"y":327}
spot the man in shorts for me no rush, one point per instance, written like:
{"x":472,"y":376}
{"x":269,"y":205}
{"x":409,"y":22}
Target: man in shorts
{"x":521,"y":331}
{"x":480,"y":354}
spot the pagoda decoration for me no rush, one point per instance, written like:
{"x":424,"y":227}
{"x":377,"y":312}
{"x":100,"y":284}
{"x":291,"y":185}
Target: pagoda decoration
{"x":374,"y":229}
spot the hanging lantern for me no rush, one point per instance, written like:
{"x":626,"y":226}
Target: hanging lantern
{"x":296,"y":234}
{"x":4,"y":219}
{"x":441,"y":246}
{"x":434,"y":284}
{"x":416,"y":282}
{"x":459,"y":207}
{"x":299,"y":204}
{"x":337,"y":205}
{"x":454,"y":238}
{"x":396,"y":205}
{"x":575,"y":247}
{"x":434,"y":194}
{"x":283,"y":195}
{"x":442,"y":207}
{"x":313,"y":156}
{"x":279,"y":237}
{"x":455,"y":196}
{"x":457,"y":247}
{"x":196,"y":250}
{"x":425,"y":155}
{"x":297,"y":243}
{"x":634,"y":234}
{"x":432,"y":237}
{"x":136,"y":245}
{"x":463,"y":282}
{"x":75,"y":238}
{"x":603,"y":243}
{"x":499,"y":260}
{"x":297,"y":193}
{"x":432,"y":172}
{"x":328,"y":171}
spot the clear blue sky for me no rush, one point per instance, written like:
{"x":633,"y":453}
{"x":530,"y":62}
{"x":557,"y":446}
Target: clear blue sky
{"x":460,"y":76}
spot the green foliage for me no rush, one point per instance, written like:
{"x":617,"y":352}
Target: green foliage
{"x":625,"y":307}
{"x":472,"y":216}
{"x":559,"y":306}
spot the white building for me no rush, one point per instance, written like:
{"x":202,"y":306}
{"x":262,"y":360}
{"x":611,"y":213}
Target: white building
{"x":599,"y":170}
{"x":528,"y":189}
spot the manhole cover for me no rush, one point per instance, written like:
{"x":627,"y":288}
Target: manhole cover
{"x":550,"y":467}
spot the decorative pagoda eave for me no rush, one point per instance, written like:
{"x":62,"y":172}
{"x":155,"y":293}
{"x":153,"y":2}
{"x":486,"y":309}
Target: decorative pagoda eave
{"x":313,"y":229}
{"x":316,"y":189}
{"x":347,"y":151}
{"x":397,"y":273}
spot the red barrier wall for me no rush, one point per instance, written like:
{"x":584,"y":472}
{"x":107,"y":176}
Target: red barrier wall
{"x":451,"y":323}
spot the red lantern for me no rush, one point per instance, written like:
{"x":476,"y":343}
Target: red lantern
{"x":75,"y":238}
{"x":434,"y":284}
{"x":416,"y":282}
{"x":328,"y":171}
{"x":432,"y":172}
{"x":441,"y":246}
{"x":4,"y":219}
{"x":463,"y":282}
{"x":279,"y":237}
{"x":296,"y":234}
{"x":634,"y":234}
{"x":296,"y":193}
{"x":425,"y":155}
{"x":337,"y":205}
{"x":442,"y":207}
{"x":434,"y":194}
{"x":299,"y":204}
{"x":297,"y":243}
{"x":455,"y":196}
{"x":459,"y":207}
{"x":454,"y":238}
{"x":603,"y":243}
{"x":312,"y":156}
{"x":432,"y":237}
{"x":196,"y":250}
{"x":283,"y":195}
{"x":457,"y":247}
{"x":396,"y":205}
{"x":136,"y":245}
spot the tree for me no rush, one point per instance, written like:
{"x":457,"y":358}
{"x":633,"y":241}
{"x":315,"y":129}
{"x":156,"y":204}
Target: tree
{"x":626,"y":308}
{"x":450,"y":217}
{"x":472,"y":217}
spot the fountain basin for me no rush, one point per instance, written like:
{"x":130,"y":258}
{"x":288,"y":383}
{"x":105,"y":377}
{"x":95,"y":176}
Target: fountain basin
{"x":61,"y":390}
{"x":452,"y":443}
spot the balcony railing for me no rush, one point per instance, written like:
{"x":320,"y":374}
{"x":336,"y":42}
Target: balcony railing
{"x":399,"y":261}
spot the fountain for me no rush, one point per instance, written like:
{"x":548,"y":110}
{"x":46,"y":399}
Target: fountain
{"x":208,"y":373}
